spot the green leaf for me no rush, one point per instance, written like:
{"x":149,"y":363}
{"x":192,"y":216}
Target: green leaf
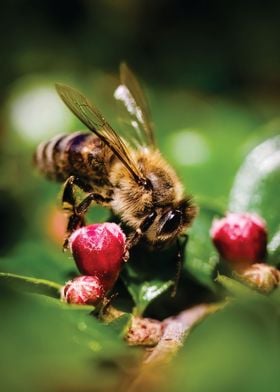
{"x":257,"y":184}
{"x":146,"y":292}
{"x":120,"y":324}
{"x":143,"y":292}
{"x":42,"y":336}
{"x":200,"y":256}
{"x":275,"y":295}
{"x":34,"y":258}
{"x":32,"y":285}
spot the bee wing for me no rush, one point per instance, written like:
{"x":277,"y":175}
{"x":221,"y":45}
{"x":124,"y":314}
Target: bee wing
{"x":130,"y":93}
{"x":89,"y":115}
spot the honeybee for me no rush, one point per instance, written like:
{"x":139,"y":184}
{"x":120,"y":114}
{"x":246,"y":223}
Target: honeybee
{"x":127,"y":174}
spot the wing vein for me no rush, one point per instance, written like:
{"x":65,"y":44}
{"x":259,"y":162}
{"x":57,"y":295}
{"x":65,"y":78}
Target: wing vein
{"x":90,"y":116}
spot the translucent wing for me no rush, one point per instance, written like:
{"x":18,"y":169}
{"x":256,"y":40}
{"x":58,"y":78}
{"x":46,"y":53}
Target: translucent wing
{"x":93,"y":119}
{"x":130,"y":93}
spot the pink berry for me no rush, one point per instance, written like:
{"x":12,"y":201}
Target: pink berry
{"x":83,"y":290}
{"x":240,"y":238}
{"x":98,"y":250}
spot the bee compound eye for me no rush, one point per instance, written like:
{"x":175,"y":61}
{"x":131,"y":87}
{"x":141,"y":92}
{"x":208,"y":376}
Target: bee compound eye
{"x":170,"y":222}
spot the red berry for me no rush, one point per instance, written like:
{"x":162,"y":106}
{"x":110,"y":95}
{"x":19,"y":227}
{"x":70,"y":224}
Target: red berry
{"x":98,"y":250}
{"x":240,"y":238}
{"x":83,"y":290}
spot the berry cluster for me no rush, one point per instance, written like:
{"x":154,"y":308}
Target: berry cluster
{"x":98,"y":250}
{"x":241,"y":240}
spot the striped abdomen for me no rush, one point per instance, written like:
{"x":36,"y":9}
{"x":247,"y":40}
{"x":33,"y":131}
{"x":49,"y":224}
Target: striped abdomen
{"x":80,"y":154}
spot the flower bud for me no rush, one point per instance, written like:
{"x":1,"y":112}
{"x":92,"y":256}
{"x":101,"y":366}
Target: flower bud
{"x":262,"y":277}
{"x":240,"y":238}
{"x":144,"y":332}
{"x":98,"y":250}
{"x":83,"y":290}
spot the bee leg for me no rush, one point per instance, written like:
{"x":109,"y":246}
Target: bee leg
{"x":181,"y":246}
{"x":75,"y":220}
{"x":92,"y":197}
{"x":69,"y":204}
{"x":68,"y":194}
{"x":68,"y":191}
{"x":136,"y":236}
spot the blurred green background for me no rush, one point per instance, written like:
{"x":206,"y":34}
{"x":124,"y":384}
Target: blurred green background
{"x":211,"y":71}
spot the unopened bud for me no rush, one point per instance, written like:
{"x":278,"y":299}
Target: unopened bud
{"x":99,"y":250}
{"x":240,"y":239}
{"x":260,"y":276}
{"x":83,"y":290}
{"x":144,"y":332}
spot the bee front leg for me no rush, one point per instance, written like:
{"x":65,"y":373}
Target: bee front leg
{"x":69,"y":204}
{"x":92,"y":197}
{"x":136,"y":236}
{"x":77,"y":219}
{"x":68,"y":194}
{"x":77,"y":212}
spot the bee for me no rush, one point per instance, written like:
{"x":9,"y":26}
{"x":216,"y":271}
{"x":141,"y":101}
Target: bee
{"x":126,"y":174}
